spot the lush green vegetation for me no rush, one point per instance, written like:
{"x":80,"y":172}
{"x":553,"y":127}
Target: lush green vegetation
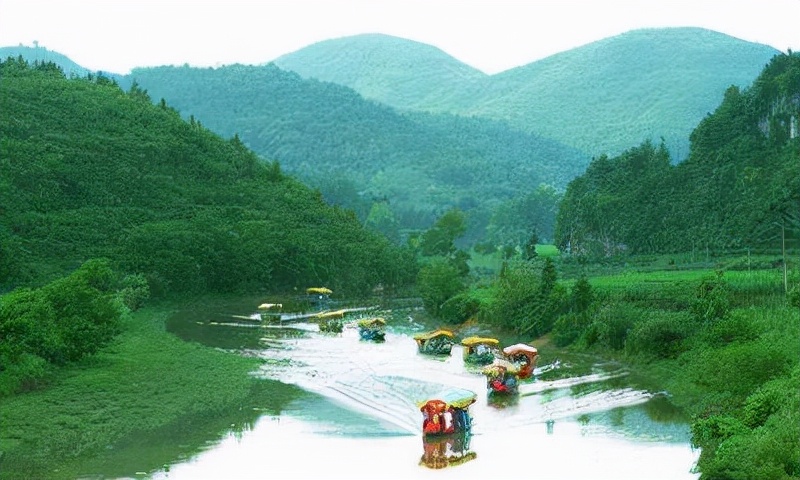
{"x":91,"y":171}
{"x":600,"y":98}
{"x":107,"y":198}
{"x":147,"y":384}
{"x":361,"y":154}
{"x":739,"y":189}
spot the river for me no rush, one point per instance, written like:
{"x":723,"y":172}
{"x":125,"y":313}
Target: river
{"x":360,"y":418}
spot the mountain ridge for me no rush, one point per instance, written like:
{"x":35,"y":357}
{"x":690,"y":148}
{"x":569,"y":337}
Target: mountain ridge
{"x":692,"y":66}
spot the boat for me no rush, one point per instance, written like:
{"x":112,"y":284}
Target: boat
{"x":319,"y":291}
{"x":480,"y":350}
{"x":331,"y":322}
{"x":502,"y":377}
{"x":372,"y":329}
{"x":524,"y":357}
{"x":438,"y":342}
{"x":447,"y":412}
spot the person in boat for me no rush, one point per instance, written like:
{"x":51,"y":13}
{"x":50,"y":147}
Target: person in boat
{"x":447,"y":413}
{"x":439,"y":342}
{"x":501,"y":377}
{"x":524,"y":357}
{"x":480,"y":350}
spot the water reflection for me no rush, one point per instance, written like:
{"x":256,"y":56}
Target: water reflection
{"x":364,"y":399}
{"x":446,"y":451}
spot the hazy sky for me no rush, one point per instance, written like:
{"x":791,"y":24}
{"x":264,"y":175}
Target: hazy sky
{"x":491,"y":35}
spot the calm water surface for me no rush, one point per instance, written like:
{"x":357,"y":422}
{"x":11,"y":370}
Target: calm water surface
{"x":360,"y":419}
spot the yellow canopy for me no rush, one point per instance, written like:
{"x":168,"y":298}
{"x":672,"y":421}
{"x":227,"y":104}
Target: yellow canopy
{"x":332,"y":314}
{"x":371,"y":322}
{"x":498,"y":364}
{"x":473,"y":341}
{"x":267,"y":306}
{"x":434,"y":334}
{"x":319,"y":290}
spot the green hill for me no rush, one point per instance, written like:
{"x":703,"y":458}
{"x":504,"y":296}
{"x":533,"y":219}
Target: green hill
{"x":92,"y":171}
{"x":42,"y":54}
{"x":399,"y":72}
{"x":359,"y":152}
{"x":603,"y":97}
{"x":738,"y":190}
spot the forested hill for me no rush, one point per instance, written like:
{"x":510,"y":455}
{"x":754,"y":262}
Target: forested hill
{"x":739,"y":189}
{"x":392,"y":70}
{"x":92,"y":171}
{"x":603,"y":97}
{"x":359,"y":152}
{"x":43,"y":55}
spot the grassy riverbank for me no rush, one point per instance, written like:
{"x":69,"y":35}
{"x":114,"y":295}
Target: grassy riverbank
{"x":147,"y":392}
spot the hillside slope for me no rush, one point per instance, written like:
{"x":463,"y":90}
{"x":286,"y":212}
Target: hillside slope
{"x":399,"y":72}
{"x":91,"y":171}
{"x":603,"y":97}
{"x":422,"y":164}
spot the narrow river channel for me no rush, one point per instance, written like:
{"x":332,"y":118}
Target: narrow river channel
{"x":360,"y":418}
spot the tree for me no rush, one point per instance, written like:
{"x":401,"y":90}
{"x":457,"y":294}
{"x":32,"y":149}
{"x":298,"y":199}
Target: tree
{"x":440,"y":238}
{"x":530,"y":246}
{"x":436,"y":283}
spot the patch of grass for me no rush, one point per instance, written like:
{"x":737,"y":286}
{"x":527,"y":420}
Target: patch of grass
{"x":147,"y":381}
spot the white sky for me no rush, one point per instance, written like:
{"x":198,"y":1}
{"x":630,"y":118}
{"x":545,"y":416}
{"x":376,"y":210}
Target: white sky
{"x":491,"y":35}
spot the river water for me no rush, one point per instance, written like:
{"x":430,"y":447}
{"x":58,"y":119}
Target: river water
{"x":360,"y":418}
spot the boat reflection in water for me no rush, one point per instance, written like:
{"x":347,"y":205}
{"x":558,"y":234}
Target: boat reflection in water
{"x":446,"y":428}
{"x":446,"y":451}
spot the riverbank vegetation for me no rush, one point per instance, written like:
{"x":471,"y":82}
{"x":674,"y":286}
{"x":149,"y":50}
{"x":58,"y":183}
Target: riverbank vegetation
{"x":686,"y":272}
{"x":147,"y":396}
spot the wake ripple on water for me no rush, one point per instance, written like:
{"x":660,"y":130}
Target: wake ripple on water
{"x":385,"y":380}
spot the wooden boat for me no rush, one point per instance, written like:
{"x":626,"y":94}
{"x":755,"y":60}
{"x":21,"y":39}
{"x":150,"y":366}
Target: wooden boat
{"x":438,"y":342}
{"x":331,"y":321}
{"x":524,"y":357}
{"x":480,"y":350}
{"x":502,"y":377}
{"x":447,"y":412}
{"x":372,"y":329}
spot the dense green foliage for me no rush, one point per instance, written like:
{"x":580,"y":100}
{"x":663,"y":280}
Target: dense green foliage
{"x":359,"y":153}
{"x":739,"y":188}
{"x":600,"y":98}
{"x":59,"y":323}
{"x":92,"y":171}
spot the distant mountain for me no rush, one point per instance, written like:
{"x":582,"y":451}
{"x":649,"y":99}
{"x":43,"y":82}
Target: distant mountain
{"x":421,"y":164}
{"x":42,"y":54}
{"x":603,"y":97}
{"x":399,"y":72}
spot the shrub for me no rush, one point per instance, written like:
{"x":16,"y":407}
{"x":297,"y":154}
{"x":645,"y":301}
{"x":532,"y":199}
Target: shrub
{"x":135,"y":291}
{"x":459,"y":308}
{"x":662,"y":335}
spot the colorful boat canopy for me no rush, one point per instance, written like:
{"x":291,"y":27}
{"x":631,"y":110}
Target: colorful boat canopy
{"x":499,"y":364}
{"x":520,"y":348}
{"x":267,"y":306}
{"x":319,"y":290}
{"x":452,"y":397}
{"x":434,"y":334}
{"x":372,"y":322}
{"x":473,"y":341}
{"x":330,"y":314}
